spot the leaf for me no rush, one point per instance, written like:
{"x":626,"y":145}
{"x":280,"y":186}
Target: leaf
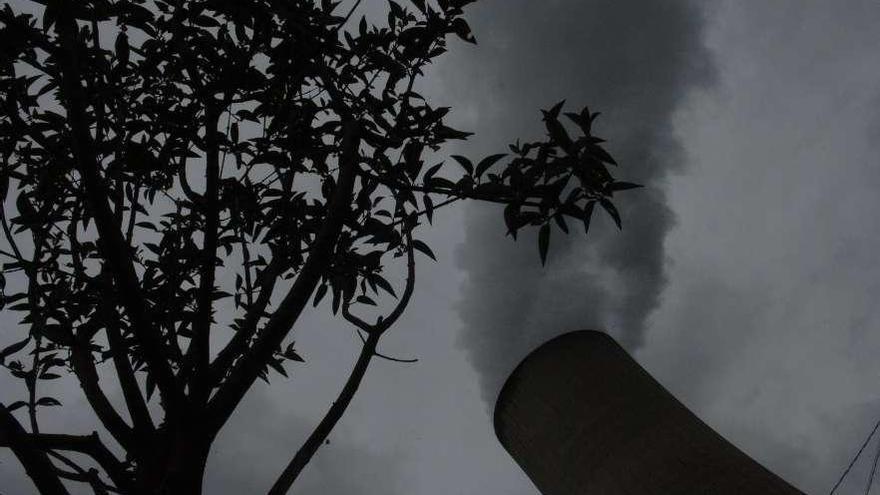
{"x":444,"y":132}
{"x":430,"y":173}
{"x":16,"y":405}
{"x":219,"y":294}
{"x":558,"y":134}
{"x":336,"y":299}
{"x":319,"y":294}
{"x":465,"y":163}
{"x":582,"y":120}
{"x":48,"y":401}
{"x":601,"y":154}
{"x":14,"y":297}
{"x":421,"y":246}
{"x":441,"y":183}
{"x":384,"y":285}
{"x":553,"y":113}
{"x":462,"y":30}
{"x":365,"y":300}
{"x":487,"y":163}
{"x":588,"y":213}
{"x":560,"y":220}
{"x":623,"y":186}
{"x":12,"y":349}
{"x":612,"y":211}
{"x":429,"y":209}
{"x":278,"y":367}
{"x":544,"y":242}
{"x":291,"y":354}
{"x":153,"y":247}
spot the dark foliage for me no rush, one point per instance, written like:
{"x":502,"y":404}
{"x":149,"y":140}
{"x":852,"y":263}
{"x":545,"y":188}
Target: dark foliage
{"x":147,"y":144}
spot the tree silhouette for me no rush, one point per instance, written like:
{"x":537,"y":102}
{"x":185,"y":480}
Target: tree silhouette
{"x":279,"y":140}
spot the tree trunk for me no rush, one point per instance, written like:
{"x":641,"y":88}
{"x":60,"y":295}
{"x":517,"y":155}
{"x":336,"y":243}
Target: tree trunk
{"x":177,"y":468}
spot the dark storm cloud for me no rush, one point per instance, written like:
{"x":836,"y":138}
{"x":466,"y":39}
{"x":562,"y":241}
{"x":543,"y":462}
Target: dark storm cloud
{"x":632,"y":60}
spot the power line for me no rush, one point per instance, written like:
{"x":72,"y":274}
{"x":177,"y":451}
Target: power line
{"x":856,"y":458}
{"x":873,"y":470}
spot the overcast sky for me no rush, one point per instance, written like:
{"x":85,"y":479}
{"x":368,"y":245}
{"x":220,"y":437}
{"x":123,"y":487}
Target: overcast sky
{"x":745,"y":278}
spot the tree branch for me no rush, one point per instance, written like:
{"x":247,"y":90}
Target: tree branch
{"x":237,"y":345}
{"x":105,"y":315}
{"x":84,"y":369}
{"x":37,"y":328}
{"x":279,"y":325}
{"x":113,"y":246}
{"x":383,"y":324}
{"x":198,"y":352}
{"x":89,"y":445}
{"x":36,"y":463}
{"x":491,"y":198}
{"x":374,"y":333}
{"x":196,"y":198}
{"x":311,"y":445}
{"x":385,"y":356}
{"x":81,"y":475}
{"x":131,"y":391}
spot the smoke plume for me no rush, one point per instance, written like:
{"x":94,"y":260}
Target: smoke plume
{"x":635,"y":62}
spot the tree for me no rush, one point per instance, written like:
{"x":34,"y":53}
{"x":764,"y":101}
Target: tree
{"x":280,"y":140}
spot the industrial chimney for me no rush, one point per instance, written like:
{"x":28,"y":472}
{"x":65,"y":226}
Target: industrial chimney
{"x":581,"y":417}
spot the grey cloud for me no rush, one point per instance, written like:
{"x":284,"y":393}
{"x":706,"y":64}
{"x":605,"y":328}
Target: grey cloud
{"x":263,"y":436}
{"x":769,"y":326}
{"x":634,"y":61}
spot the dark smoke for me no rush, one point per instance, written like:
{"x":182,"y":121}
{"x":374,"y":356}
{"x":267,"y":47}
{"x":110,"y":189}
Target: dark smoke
{"x":635,"y":61}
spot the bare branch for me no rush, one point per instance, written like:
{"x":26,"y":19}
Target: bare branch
{"x":311,"y":445}
{"x":374,"y":333}
{"x":394,"y":359}
{"x":384,"y":356}
{"x":354,"y":320}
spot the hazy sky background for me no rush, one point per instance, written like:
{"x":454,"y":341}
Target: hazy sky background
{"x":745,"y":278}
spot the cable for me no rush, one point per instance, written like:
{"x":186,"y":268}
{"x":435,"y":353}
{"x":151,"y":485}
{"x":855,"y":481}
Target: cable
{"x":873,"y":470}
{"x":852,"y":463}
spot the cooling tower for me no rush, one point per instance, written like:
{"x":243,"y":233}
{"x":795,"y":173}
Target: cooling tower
{"x":581,"y":417}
